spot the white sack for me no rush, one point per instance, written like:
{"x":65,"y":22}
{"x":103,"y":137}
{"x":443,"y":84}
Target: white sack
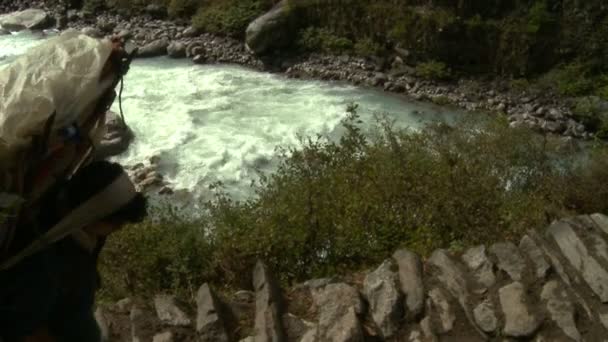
{"x":59,"y":75}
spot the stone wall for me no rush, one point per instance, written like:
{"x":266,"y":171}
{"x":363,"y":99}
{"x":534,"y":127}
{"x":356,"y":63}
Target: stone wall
{"x":551,"y":287}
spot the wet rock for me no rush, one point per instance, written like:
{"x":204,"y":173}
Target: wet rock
{"x":410,"y":278}
{"x":536,"y":255}
{"x":29,"y":19}
{"x":485,"y":317}
{"x":209,"y":323}
{"x":166,"y":336}
{"x":176,"y":50}
{"x":509,"y":259}
{"x":520,"y":321}
{"x":382,"y":292}
{"x":153,"y":49}
{"x":170,"y":311}
{"x":477,"y":261}
{"x":560,"y":308}
{"x":339,"y":306}
{"x":441,"y":310}
{"x":268,"y":305}
{"x":579,"y":257}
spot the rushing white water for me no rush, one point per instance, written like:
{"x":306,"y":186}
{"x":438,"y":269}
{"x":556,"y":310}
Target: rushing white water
{"x":219,"y":123}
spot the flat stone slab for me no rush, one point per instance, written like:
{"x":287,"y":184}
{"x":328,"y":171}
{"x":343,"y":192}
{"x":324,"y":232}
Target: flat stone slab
{"x":536,"y":255}
{"x":560,"y":308}
{"x":509,"y":259}
{"x":519,"y":319}
{"x":580,"y":258}
{"x":410,"y":278}
{"x":381,"y":288}
{"x":477,"y":261}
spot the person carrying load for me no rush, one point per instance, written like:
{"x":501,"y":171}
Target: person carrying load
{"x":56,"y":206}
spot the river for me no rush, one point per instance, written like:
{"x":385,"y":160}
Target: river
{"x":214,"y":123}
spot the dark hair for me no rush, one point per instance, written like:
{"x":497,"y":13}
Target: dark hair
{"x":95,"y":177}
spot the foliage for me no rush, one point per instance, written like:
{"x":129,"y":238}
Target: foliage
{"x":182,"y":8}
{"x":321,"y":39}
{"x":589,"y":111}
{"x":538,"y":16}
{"x":92,"y":6}
{"x":337,"y":206}
{"x":230,"y":17}
{"x":433,"y":70}
{"x":366,"y":47}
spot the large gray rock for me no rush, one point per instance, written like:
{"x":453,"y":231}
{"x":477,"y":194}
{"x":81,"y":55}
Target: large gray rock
{"x":274,"y":29}
{"x":30,"y":19}
{"x":268,"y":306}
{"x":485,"y":317}
{"x":520,"y":320}
{"x":381,"y":289}
{"x":102,"y":323}
{"x":580,"y":258}
{"x":209,"y":323}
{"x":477,"y":261}
{"x":154,"y":49}
{"x":410,"y":278}
{"x":4,"y":32}
{"x":536,"y":255}
{"x":176,"y":50}
{"x":339,"y":306}
{"x":170,"y":311}
{"x":601,"y":222}
{"x":560,"y":308}
{"x":509,"y":259}
{"x":166,"y":336}
{"x":92,"y":32}
{"x":298,"y":329}
{"x":117,"y":139}
{"x":441,"y":311}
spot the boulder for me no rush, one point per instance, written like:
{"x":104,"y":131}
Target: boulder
{"x":520,"y":321}
{"x":117,"y":139}
{"x":275,"y":29}
{"x":509,"y":259}
{"x":410,"y":279}
{"x":580,"y":258}
{"x":441,"y":311}
{"x":209,"y":323}
{"x":4,"y":32}
{"x":191,"y":32}
{"x":485,"y":317}
{"x":560,"y":308}
{"x":381,"y":289}
{"x":176,"y":50}
{"x":536,"y":255}
{"x":143,"y":324}
{"x":166,"y":336}
{"x":268,"y":306}
{"x":154,"y":49}
{"x":170,"y":311}
{"x":477,"y":261}
{"x":30,"y":19}
{"x":339,"y":308}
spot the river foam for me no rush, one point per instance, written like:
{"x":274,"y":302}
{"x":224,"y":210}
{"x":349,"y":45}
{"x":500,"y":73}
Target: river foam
{"x":220,"y":123}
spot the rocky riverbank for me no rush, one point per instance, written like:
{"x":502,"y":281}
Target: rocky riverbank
{"x":547,"y":288}
{"x":543,"y":112}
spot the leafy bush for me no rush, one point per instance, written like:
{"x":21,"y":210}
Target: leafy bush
{"x":229,"y":17}
{"x":335,"y":206}
{"x":433,"y":70}
{"x":92,"y":6}
{"x":322,"y":39}
{"x":588,"y":110}
{"x":367,"y":47}
{"x":182,"y":8}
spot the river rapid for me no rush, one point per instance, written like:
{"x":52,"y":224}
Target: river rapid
{"x":214,"y":123}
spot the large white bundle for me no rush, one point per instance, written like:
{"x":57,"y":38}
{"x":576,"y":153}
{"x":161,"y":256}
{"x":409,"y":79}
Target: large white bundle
{"x":62,"y":75}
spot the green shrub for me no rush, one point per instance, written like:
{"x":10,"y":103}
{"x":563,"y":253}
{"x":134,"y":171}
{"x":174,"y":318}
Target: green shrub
{"x":182,"y":8}
{"x":588,"y":111}
{"x":433,"y":70}
{"x":229,"y":17}
{"x":93,"y":6}
{"x":538,"y":16}
{"x":367,"y":47}
{"x":338,"y":206}
{"x":323,"y":40}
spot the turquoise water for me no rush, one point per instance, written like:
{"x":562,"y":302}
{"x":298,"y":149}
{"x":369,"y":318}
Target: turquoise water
{"x":220,"y":122}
